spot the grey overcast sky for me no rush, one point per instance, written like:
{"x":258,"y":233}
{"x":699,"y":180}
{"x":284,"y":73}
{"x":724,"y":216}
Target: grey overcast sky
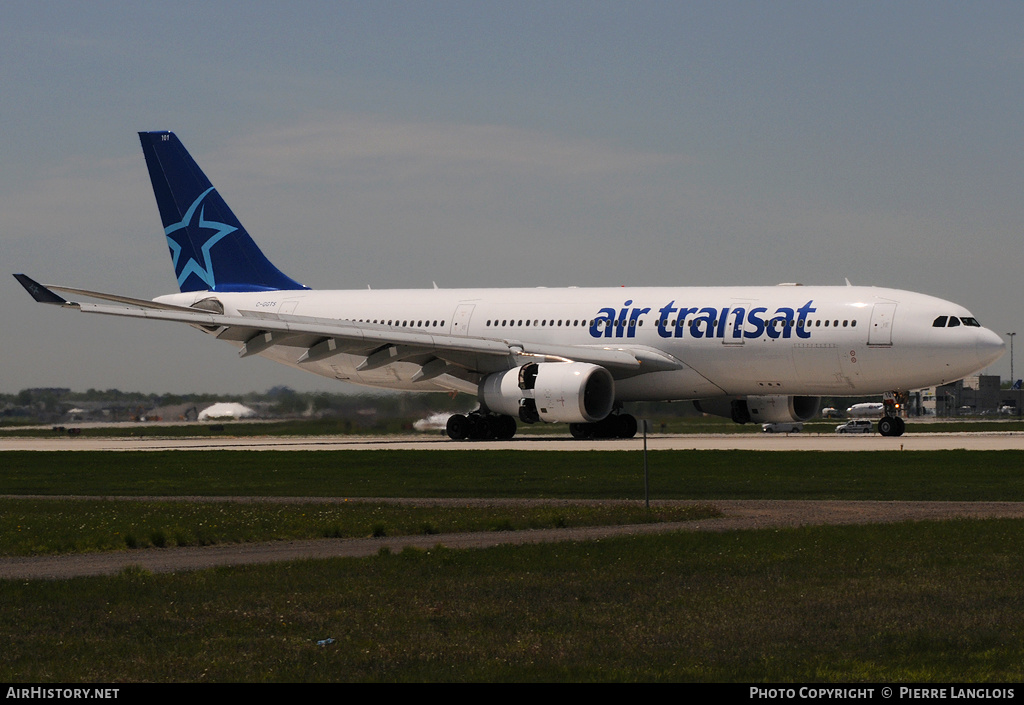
{"x":394,"y":144}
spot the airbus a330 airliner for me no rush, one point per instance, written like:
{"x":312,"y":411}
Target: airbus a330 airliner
{"x":571,"y":355}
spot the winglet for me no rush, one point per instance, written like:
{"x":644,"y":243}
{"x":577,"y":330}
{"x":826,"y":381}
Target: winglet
{"x":39,"y":292}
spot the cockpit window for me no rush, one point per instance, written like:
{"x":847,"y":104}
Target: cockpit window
{"x":953,"y":322}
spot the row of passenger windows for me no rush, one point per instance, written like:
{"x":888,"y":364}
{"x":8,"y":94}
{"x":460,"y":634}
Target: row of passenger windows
{"x":576,"y":323}
{"x":537,"y":323}
{"x":802,"y":323}
{"x":779,"y":323}
{"x":953,"y":322}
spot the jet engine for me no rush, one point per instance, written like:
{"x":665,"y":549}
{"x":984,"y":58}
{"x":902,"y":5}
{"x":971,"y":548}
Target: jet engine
{"x":554,"y":392}
{"x":761,"y":409}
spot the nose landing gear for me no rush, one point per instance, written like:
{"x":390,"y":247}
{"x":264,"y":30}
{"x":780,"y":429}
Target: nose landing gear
{"x":892,"y":424}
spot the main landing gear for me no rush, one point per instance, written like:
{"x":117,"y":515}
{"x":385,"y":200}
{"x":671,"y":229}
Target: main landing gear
{"x":892,"y":424}
{"x":481,"y":427}
{"x":612,"y":426}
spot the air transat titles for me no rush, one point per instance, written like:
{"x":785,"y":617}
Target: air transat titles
{"x":707,"y":322}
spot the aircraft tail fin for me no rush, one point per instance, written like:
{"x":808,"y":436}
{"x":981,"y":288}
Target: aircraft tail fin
{"x":211,"y":249}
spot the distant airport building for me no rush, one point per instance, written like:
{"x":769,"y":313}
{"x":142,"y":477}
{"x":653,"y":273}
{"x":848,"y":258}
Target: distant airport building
{"x":979,"y":394}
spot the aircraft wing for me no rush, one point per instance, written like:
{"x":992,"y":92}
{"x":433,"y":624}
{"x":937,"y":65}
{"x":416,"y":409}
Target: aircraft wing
{"x":379,"y":344}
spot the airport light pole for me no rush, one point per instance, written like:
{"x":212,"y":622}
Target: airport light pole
{"x":1012,"y":380}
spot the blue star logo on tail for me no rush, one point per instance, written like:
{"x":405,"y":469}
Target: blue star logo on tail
{"x":191,"y":265}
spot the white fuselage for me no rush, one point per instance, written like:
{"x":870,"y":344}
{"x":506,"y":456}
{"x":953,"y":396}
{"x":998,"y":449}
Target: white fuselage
{"x":772,"y":340}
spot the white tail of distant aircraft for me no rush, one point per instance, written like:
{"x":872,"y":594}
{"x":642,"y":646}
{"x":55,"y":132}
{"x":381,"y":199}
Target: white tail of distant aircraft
{"x":761,"y":354}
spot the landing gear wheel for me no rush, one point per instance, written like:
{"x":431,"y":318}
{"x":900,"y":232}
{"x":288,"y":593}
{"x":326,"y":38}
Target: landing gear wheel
{"x":891,"y":426}
{"x":612,"y":426}
{"x":885,"y":426}
{"x":457,"y":427}
{"x":505,"y":428}
{"x":627,"y":426}
{"x":580,"y":431}
{"x":480,"y":427}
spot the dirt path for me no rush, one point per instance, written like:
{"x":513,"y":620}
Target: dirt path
{"x":737,"y":514}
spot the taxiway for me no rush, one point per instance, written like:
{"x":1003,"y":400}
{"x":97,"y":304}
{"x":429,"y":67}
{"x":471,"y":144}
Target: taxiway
{"x":818,"y":442}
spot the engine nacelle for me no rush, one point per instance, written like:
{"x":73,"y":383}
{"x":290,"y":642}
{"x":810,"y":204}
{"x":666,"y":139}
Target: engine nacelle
{"x":761,"y":409}
{"x":555,"y":392}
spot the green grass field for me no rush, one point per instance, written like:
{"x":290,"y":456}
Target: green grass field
{"x":931,"y":601}
{"x":920,"y":475}
{"x":912,"y":602}
{"x":51,"y":526}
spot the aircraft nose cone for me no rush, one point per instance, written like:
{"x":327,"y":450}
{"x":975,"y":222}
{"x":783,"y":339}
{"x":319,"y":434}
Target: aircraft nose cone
{"x":990,"y":347}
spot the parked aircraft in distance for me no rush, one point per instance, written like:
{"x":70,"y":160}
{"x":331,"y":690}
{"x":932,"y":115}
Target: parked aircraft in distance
{"x":763,"y":354}
{"x":872,"y":409}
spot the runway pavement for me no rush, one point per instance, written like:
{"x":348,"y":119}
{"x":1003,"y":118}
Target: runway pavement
{"x":801,"y":441}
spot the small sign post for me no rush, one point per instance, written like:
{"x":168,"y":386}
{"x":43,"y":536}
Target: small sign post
{"x":647,"y":496}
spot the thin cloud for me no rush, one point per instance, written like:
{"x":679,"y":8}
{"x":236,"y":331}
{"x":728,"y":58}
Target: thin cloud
{"x":413,"y":148}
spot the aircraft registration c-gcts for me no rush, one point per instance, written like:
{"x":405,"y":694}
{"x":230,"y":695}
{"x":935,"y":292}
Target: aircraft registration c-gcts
{"x":570,"y":355}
